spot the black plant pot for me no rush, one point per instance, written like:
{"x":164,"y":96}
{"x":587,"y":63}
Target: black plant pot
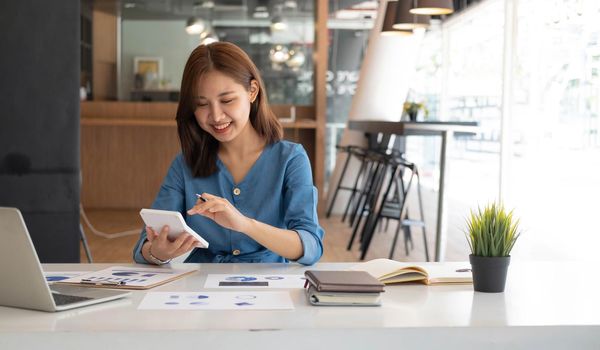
{"x":489,"y":273}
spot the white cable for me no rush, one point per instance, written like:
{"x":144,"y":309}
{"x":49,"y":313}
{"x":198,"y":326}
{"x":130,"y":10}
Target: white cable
{"x":102,"y":234}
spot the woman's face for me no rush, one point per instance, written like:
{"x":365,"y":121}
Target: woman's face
{"x":223,"y":105}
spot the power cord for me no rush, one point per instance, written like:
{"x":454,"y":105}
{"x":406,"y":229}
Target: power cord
{"x":103,"y":234}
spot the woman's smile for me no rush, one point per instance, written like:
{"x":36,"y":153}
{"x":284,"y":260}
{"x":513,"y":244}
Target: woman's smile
{"x":221,"y":128}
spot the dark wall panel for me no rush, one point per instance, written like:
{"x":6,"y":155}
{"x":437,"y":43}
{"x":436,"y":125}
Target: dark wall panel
{"x":39,"y":121}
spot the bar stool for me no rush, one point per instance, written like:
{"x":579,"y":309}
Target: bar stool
{"x":377,"y":163}
{"x":351,"y":151}
{"x":397,"y":209}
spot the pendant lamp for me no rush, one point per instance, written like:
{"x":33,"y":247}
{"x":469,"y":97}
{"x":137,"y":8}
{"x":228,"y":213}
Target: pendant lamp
{"x":406,"y":20}
{"x":432,"y":7}
{"x":388,"y":21}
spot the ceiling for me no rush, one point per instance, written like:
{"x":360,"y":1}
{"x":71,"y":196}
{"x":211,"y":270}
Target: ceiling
{"x":215,"y":9}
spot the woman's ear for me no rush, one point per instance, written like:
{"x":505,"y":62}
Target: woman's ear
{"x":254,"y":88}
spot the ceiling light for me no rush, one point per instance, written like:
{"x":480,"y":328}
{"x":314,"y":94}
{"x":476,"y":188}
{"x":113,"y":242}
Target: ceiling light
{"x":277,"y":24}
{"x":195,"y":26}
{"x":432,"y":7}
{"x":388,"y":21}
{"x":406,"y":20}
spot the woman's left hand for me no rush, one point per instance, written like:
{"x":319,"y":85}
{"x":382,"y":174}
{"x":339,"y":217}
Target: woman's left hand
{"x":220,"y":211}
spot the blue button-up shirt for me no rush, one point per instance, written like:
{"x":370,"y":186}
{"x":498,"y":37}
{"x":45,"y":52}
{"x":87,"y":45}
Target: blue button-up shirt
{"x":278,"y":190}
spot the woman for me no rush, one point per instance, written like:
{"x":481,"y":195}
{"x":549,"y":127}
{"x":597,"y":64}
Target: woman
{"x":258,"y":202}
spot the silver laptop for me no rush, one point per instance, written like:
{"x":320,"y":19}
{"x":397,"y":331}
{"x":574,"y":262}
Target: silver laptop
{"x":22,"y":281}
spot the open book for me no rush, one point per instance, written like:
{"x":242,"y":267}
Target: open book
{"x":391,"y":271}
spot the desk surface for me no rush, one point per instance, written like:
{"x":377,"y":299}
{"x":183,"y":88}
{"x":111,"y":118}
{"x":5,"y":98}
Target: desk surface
{"x":542,"y":301}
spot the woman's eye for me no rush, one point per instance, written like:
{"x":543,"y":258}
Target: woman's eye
{"x":200,"y":105}
{"x":227,"y":101}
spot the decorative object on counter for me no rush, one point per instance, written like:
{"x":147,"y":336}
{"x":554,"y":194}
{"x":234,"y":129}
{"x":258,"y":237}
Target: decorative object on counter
{"x":279,"y":54}
{"x":412,"y":110}
{"x":296,"y":59}
{"x":150,"y":68}
{"x":491,"y":234}
{"x":292,"y":117}
{"x":138,"y":81}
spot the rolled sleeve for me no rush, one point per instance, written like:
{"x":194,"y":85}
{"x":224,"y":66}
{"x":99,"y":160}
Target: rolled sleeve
{"x":300,"y":207}
{"x":137,"y":250}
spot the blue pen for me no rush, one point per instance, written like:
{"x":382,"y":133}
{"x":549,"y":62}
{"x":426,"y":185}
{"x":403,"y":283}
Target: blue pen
{"x":200,"y":197}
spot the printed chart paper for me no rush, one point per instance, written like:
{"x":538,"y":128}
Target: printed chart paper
{"x":254,"y":281}
{"x":55,"y":276}
{"x":216,"y":301}
{"x":130,"y":276}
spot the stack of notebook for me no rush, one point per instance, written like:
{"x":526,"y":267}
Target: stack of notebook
{"x":344,"y":288}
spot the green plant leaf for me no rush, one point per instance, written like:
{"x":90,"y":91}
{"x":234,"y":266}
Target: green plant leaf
{"x":492,"y":231}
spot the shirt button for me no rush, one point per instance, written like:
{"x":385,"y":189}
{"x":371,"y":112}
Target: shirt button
{"x":236,"y":252}
{"x":236,"y":191}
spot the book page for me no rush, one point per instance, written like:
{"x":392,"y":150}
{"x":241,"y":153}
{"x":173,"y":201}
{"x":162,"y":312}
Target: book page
{"x":382,"y":269}
{"x":449,"y":272}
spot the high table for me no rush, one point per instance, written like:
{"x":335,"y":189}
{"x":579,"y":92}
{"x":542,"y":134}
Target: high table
{"x":545,"y":306}
{"x":444,"y":129}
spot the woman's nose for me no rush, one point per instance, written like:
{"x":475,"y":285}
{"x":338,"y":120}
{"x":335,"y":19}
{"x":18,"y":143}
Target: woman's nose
{"x":216,"y":112}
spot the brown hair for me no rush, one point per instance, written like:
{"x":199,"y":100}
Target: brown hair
{"x":199,"y":147}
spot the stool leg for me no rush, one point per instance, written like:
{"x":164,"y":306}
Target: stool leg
{"x":395,"y":239}
{"x":86,"y":247}
{"x":360,"y":209}
{"x":354,"y":189}
{"x":337,"y":188}
{"x":408,"y":242}
{"x":369,"y":230}
{"x":365,"y":189}
{"x":422,"y":214}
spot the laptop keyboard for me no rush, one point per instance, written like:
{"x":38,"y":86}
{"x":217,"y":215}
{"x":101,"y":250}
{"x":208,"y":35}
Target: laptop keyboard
{"x":64,"y":299}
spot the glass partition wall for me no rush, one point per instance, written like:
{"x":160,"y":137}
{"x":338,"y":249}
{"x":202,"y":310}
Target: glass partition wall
{"x":157,"y":37}
{"x":529,"y":72}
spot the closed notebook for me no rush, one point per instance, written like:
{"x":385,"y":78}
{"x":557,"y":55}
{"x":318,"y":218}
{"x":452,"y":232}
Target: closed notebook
{"x":341,"y":298}
{"x":343,"y":281}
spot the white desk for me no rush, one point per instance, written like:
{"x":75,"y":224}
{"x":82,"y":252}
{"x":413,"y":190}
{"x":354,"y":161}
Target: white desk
{"x":541,"y":308}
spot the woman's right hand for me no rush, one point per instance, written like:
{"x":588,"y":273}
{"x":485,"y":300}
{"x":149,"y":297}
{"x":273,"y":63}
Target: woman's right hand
{"x":163,"y":248}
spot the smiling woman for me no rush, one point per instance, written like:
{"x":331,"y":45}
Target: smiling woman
{"x":221,"y":77}
{"x":258,"y":202}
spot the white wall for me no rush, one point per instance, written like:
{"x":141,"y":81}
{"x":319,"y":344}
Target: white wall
{"x":166,"y":39}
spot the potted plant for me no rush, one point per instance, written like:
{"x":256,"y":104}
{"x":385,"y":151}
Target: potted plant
{"x":413,"y":108}
{"x":491,"y":234}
